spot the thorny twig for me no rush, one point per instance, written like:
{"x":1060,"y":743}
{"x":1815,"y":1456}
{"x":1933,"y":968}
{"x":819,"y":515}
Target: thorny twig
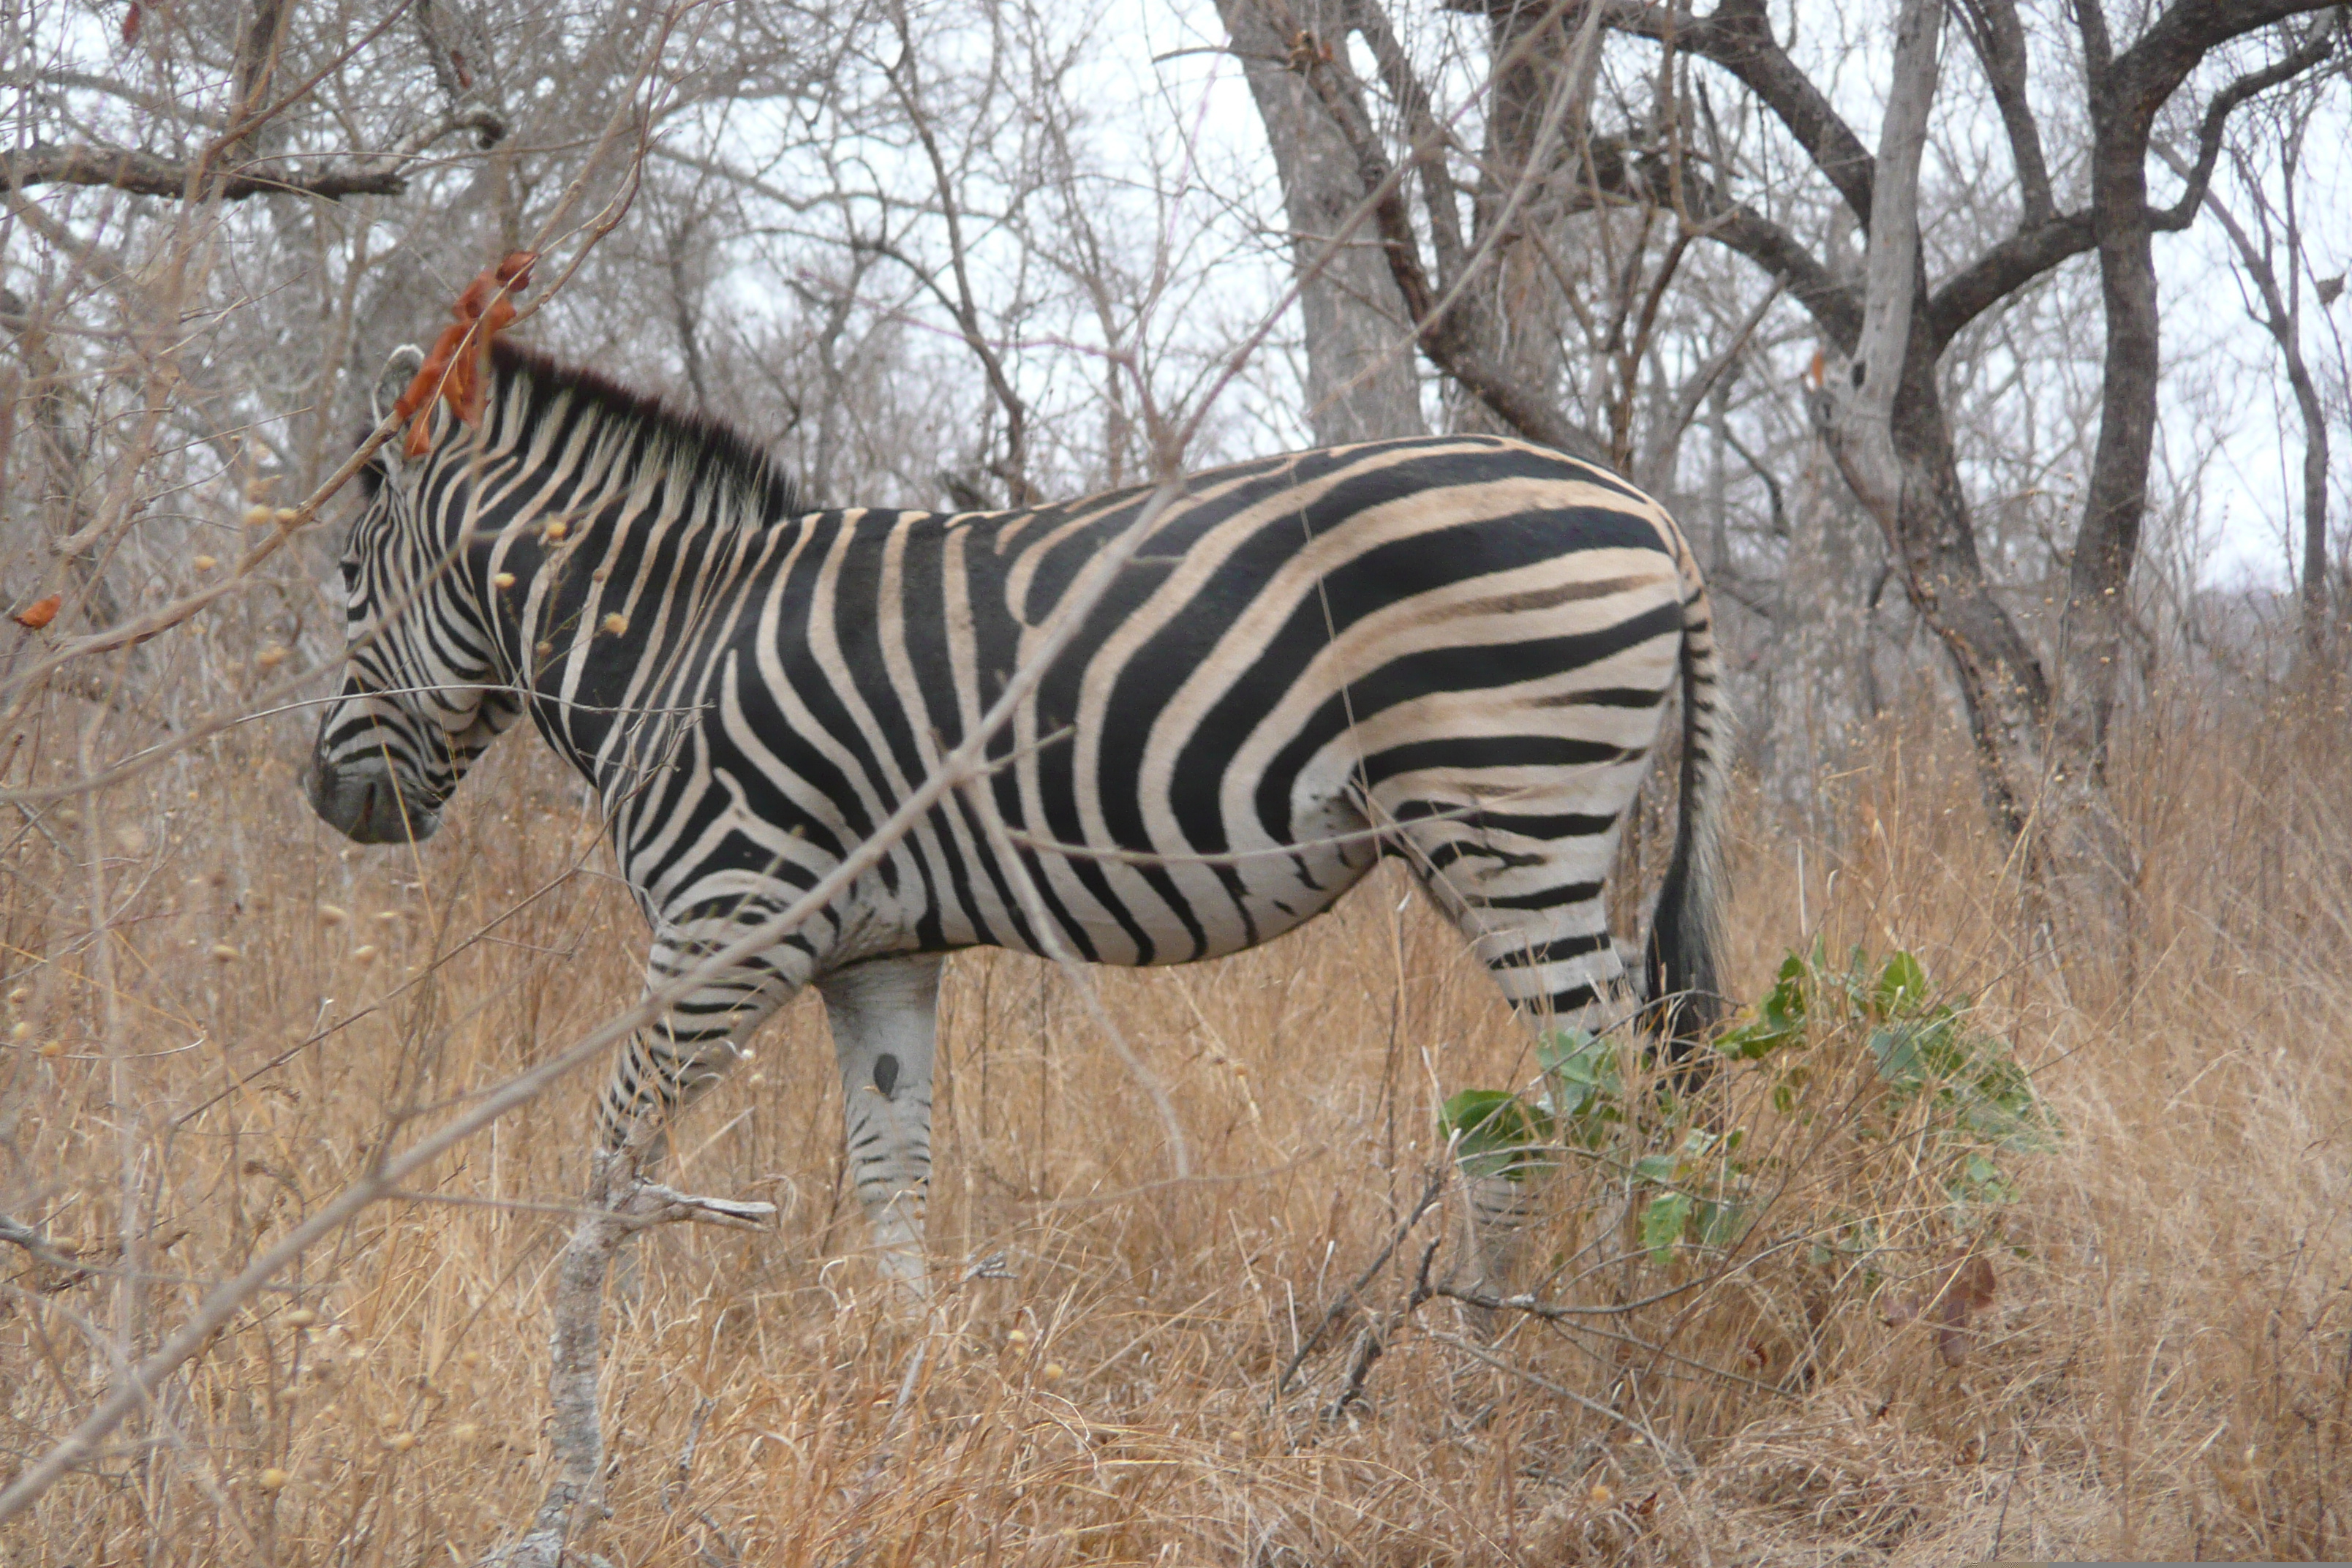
{"x":1347,"y":1298}
{"x":1373,"y":1342}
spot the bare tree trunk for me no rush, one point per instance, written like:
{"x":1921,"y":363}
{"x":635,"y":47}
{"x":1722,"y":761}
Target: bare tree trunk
{"x":1817,"y":673}
{"x":1362,"y":380}
{"x":1542,"y":55}
{"x":1884,"y":422}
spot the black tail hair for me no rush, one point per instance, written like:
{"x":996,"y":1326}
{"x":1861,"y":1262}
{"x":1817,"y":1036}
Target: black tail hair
{"x":1682,"y":965}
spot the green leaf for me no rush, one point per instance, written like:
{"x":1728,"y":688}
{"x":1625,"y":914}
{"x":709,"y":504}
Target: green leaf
{"x":1896,"y":1051}
{"x":1656,"y":1169}
{"x":1583,"y":1086}
{"x":1981,"y":1181}
{"x":1491,"y":1127}
{"x":1721,"y":1225}
{"x":1568,"y":1053}
{"x":1663,"y":1223}
{"x":1902,"y":987}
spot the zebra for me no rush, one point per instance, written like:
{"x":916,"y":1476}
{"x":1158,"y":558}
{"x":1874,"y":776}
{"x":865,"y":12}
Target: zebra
{"x":1457,"y":650}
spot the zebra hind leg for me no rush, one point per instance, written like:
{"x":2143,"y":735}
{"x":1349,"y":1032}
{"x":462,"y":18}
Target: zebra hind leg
{"x":885,"y":1018}
{"x":1524,"y":885}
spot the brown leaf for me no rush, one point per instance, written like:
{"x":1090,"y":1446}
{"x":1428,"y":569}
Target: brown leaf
{"x":130,"y":20}
{"x":1956,"y":1292}
{"x":39,"y":612}
{"x":1969,"y":1286}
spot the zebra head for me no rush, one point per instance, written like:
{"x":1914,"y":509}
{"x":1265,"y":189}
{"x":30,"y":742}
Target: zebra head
{"x":421,"y":696}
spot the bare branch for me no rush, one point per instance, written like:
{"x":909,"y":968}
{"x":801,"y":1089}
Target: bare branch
{"x":1739,"y":36}
{"x":2178,"y":215}
{"x":2003,"y":271}
{"x":1015,"y":470}
{"x":1441,"y":327}
{"x":1999,"y":40}
{"x":145,"y":174}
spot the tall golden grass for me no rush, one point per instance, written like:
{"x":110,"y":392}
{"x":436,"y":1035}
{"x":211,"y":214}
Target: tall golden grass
{"x":2164,"y":1369}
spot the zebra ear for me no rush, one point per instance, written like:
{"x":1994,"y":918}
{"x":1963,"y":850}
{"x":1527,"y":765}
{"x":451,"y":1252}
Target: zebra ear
{"x":400,"y":367}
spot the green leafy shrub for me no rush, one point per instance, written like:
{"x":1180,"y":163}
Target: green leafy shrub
{"x":1957,"y":1091}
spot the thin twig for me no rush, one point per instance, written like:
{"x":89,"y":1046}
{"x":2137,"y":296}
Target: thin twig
{"x":1347,"y":1298}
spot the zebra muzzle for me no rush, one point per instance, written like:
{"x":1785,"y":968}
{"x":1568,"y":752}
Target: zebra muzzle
{"x":363,"y":802}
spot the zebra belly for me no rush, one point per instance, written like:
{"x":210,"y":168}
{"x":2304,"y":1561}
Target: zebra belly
{"x":1179,"y":908}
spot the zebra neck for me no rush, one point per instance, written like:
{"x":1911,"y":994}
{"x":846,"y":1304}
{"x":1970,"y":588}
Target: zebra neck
{"x":577,"y":586}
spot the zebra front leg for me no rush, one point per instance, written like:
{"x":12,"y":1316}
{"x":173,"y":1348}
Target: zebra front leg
{"x":659,"y":1070}
{"x":885,"y":1018}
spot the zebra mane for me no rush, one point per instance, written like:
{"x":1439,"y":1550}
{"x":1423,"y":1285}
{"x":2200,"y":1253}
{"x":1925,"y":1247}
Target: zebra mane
{"x":697,"y":448}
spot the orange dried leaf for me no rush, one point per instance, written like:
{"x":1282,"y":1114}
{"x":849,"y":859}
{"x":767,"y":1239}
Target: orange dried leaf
{"x":453,"y":371}
{"x":39,"y":612}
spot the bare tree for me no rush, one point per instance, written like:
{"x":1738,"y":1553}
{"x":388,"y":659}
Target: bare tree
{"x":1361,"y":383}
{"x":2042,"y":729}
{"x":2273,"y":246}
{"x":1485,"y":315}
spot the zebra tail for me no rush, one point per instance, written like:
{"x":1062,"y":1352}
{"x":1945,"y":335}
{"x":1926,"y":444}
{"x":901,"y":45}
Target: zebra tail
{"x":1683,"y":964}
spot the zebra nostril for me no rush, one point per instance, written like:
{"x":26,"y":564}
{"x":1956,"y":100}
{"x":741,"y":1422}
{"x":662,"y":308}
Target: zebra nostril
{"x":886,"y":1073}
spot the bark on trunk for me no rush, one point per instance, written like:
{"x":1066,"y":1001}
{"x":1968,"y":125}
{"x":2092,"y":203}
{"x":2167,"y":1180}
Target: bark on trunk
{"x":1521,"y":191}
{"x":2318,"y":614}
{"x":1362,"y":380}
{"x":1817,"y":673}
{"x":1883,"y":419}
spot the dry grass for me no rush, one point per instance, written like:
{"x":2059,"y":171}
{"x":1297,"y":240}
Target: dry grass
{"x":2165,"y":1371}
